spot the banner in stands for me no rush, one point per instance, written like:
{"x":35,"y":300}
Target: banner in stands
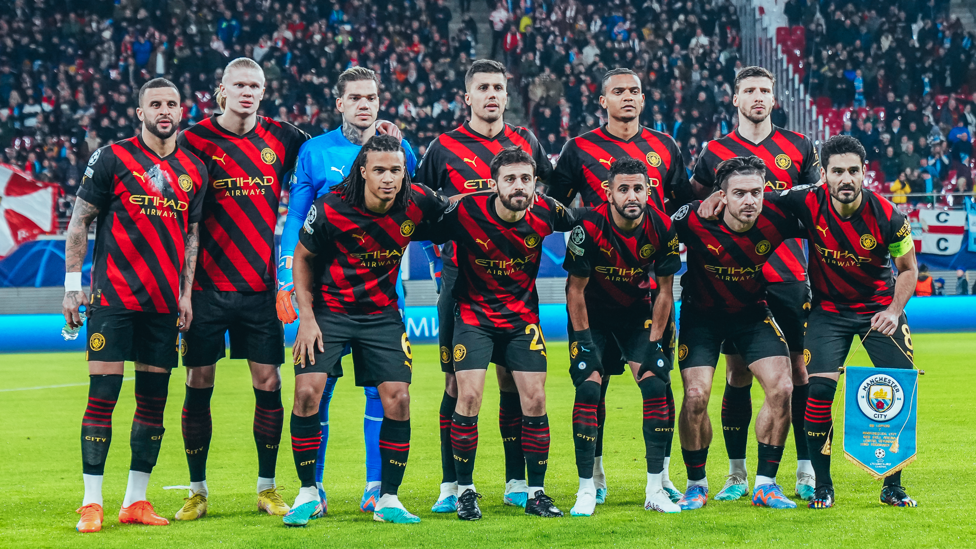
{"x":938,"y":232}
{"x":971,"y":212}
{"x":26,"y":208}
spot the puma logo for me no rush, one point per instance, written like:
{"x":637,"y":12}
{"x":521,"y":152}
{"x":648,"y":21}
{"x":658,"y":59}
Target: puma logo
{"x":360,"y":237}
{"x":472,"y":161}
{"x":716,"y":249}
{"x":482,"y":242}
{"x":608,"y":251}
{"x":140,"y":176}
{"x":823,"y":230}
{"x":607,"y":162}
{"x":221,"y":159}
{"x":339,"y":170}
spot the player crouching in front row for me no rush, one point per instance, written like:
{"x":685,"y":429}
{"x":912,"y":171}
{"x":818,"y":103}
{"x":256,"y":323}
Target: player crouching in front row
{"x":723,"y":298}
{"x":351,"y":245}
{"x":617,"y":245}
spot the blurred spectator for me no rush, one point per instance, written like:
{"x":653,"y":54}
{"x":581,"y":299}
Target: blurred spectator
{"x":900,"y":190}
{"x":938,"y":287}
{"x":925,"y":286}
{"x":962,"y":283}
{"x":499,"y":23}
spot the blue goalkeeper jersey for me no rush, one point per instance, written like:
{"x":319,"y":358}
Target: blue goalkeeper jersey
{"x":323,"y":162}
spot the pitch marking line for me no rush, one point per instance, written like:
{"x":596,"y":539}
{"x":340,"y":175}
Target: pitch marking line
{"x":54,"y":386}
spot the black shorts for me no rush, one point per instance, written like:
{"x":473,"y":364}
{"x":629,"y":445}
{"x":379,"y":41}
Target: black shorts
{"x":445,"y":315}
{"x":830,"y":335}
{"x":624,"y":339}
{"x":520,"y":349}
{"x":117,"y":335}
{"x":256,"y":334}
{"x":754,"y":333}
{"x":380,"y":348}
{"x":789,"y":302}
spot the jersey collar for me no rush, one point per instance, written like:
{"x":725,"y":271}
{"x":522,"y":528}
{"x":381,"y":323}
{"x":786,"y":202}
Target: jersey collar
{"x":739,"y":137}
{"x":152,"y":153}
{"x":467,"y":127}
{"x":225,"y":131}
{"x":605,"y":130}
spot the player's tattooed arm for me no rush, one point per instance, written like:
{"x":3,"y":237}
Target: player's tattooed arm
{"x":192,"y":246}
{"x":75,"y":249}
{"x":76,"y":244}
{"x":192,"y":250}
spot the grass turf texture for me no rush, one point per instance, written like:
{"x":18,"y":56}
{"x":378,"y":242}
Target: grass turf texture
{"x":41,"y":470}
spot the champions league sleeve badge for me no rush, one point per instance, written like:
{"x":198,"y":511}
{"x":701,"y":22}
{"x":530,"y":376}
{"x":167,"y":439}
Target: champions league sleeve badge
{"x":880,"y":419}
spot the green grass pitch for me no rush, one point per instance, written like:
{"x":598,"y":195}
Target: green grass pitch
{"x":41,"y":471}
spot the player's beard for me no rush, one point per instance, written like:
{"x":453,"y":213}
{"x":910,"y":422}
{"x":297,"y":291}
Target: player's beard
{"x":508,"y":201}
{"x":630,"y":214}
{"x":835,"y":193}
{"x":754,"y":119}
{"x":741,"y":218}
{"x":153,"y":128}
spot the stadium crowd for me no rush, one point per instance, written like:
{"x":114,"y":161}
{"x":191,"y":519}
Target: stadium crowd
{"x":902,"y":79}
{"x":68,"y":71}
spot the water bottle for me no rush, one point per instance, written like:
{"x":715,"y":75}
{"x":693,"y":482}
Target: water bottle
{"x":69,"y":333}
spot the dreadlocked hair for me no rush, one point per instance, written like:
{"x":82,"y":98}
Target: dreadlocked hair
{"x":353,"y":187}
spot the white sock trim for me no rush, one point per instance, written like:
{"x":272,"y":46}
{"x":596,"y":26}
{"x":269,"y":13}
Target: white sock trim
{"x":136,"y":488}
{"x":93,"y":489}
{"x":265,"y":484}
{"x":306,"y":494}
{"x":199,"y":488}
{"x":761,"y":480}
{"x":738,"y":467}
{"x":654,"y":482}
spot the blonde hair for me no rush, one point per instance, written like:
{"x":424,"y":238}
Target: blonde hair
{"x":239,"y":63}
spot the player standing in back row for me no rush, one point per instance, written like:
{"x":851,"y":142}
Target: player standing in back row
{"x":247,"y":157}
{"x":584,"y":168}
{"x":458,"y":162}
{"x":790,"y":159}
{"x":147,"y":195}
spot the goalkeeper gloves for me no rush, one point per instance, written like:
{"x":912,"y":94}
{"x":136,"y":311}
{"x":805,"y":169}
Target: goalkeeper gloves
{"x":286,"y":287}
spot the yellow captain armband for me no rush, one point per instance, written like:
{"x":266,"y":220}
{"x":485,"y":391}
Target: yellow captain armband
{"x":902,"y":247}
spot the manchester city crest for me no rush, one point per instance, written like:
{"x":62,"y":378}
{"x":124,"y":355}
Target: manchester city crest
{"x":880,"y":398}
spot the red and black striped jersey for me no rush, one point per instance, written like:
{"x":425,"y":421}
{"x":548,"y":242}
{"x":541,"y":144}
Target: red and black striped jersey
{"x":850,"y":267}
{"x":145,"y":207}
{"x":237,"y":249}
{"x":791,"y":159}
{"x":619,"y":263}
{"x":498,"y":261}
{"x":358,"y":252}
{"x":584,"y":166}
{"x":725,"y":267}
{"x":459,"y":161}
